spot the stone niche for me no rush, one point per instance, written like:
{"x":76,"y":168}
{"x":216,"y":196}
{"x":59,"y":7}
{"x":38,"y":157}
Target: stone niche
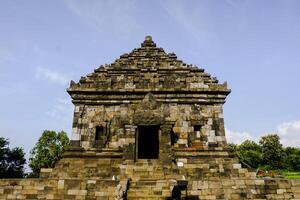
{"x":148,"y":126}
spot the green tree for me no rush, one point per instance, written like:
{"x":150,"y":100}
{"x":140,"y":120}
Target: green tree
{"x":12,"y":161}
{"x":249,"y":153}
{"x":272,"y":151}
{"x":248,"y":145}
{"x":47,"y":151}
{"x":267,"y":154}
{"x":292,"y":158}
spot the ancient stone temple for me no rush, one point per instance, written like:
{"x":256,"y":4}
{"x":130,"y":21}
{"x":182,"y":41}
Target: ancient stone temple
{"x":148,"y":126}
{"x":149,"y":106}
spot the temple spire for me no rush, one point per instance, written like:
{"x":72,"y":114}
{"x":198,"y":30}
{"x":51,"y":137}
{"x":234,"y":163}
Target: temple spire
{"x":148,"y":42}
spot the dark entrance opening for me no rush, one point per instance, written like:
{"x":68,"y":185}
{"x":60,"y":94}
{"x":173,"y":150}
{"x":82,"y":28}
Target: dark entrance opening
{"x":99,"y":133}
{"x":99,"y":136}
{"x":148,"y":142}
{"x":173,"y":137}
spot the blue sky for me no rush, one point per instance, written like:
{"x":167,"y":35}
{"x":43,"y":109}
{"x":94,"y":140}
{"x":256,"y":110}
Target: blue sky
{"x":253,"y":45}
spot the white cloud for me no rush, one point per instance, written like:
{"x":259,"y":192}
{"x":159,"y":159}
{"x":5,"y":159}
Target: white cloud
{"x":289,"y":133}
{"x":52,"y":76}
{"x":62,"y":110}
{"x":195,"y":21}
{"x":237,"y":137}
{"x":113,"y":16}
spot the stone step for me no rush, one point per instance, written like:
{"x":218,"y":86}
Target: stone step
{"x":146,"y":194}
{"x":148,"y":198}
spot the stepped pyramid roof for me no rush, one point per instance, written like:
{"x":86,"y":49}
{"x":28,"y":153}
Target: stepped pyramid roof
{"x":148,"y":69}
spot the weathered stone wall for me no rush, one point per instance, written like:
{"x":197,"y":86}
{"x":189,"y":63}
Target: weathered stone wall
{"x":105,"y":189}
{"x":210,"y":175}
{"x":120,"y":123}
{"x":57,"y":188}
{"x":89,"y":166}
{"x":190,"y":164}
{"x":245,"y":189}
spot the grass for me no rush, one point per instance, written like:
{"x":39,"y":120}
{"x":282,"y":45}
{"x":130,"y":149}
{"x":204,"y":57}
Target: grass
{"x":279,"y":173}
{"x":292,"y":175}
{"x":289,"y":174}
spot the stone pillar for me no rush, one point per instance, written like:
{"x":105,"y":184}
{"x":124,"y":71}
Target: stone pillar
{"x":165,"y":152}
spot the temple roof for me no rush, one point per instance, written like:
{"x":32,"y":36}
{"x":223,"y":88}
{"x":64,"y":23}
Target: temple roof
{"x":149,"y":69}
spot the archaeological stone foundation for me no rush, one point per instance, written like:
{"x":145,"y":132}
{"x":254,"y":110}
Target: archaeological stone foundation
{"x":148,"y":126}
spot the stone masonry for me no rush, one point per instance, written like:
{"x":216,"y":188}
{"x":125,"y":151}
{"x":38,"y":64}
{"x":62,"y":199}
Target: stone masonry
{"x":148,"y":126}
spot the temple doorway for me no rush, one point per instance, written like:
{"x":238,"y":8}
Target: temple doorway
{"x":148,"y":142}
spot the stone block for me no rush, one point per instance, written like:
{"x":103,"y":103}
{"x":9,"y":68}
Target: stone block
{"x":280,"y":191}
{"x":259,"y":182}
{"x":202,"y":185}
{"x":237,"y":166}
{"x":61,"y":184}
{"x":295,"y":189}
{"x":46,"y":170}
{"x":91,"y":182}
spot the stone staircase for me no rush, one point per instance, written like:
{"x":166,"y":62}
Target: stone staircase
{"x":145,"y":170}
{"x":158,"y":190}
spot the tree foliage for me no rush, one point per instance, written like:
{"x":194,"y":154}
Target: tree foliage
{"x":249,"y":153}
{"x":47,"y":151}
{"x":267,"y":154}
{"x":291,"y":159}
{"x":12,"y":161}
{"x":272,"y":150}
